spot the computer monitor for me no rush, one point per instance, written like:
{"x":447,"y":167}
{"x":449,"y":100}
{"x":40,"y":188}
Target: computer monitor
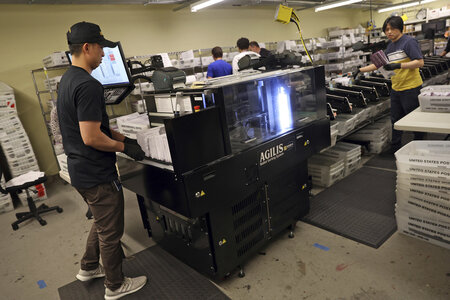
{"x":436,"y":27}
{"x":113,"y":74}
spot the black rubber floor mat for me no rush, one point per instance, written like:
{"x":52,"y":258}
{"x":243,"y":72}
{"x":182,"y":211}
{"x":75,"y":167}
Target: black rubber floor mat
{"x":383,"y":161}
{"x":359,"y":207}
{"x":168,"y":277}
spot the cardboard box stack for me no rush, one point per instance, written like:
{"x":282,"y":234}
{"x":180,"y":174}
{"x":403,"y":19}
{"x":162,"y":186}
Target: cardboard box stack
{"x":52,"y":83}
{"x":423,"y":191}
{"x":325,"y":170}
{"x":56,"y":59}
{"x":62,"y":160}
{"x":377,"y":134}
{"x":350,"y":153}
{"x":15,"y":144}
{"x":6,"y":203}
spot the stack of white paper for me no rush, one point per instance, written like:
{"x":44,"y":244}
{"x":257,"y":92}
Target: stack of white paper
{"x":154,"y":143}
{"x":130,"y":125}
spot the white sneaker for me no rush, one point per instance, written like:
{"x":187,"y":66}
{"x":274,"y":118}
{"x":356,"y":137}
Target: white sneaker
{"x":129,"y":286}
{"x":88,"y":275}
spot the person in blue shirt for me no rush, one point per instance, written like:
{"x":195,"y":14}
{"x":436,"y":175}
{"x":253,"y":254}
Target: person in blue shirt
{"x":219,"y":67}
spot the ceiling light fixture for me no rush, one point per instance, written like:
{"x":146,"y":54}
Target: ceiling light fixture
{"x":202,"y":4}
{"x":336,"y":4}
{"x":404,"y":5}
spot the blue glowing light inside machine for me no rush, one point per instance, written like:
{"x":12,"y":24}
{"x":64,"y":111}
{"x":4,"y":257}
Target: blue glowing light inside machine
{"x":284,"y":110}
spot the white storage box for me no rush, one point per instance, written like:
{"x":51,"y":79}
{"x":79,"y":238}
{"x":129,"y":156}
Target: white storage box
{"x":168,"y":104}
{"x":426,"y":194}
{"x":62,"y":160}
{"x":371,"y":110}
{"x":350,"y":153}
{"x":346,"y":123}
{"x":426,"y":158}
{"x":371,"y":135}
{"x":362,"y":113}
{"x":325,"y":171}
{"x":414,"y":202}
{"x":343,"y":150}
{"x":333,"y":137}
{"x":424,"y":182}
{"x":52,"y":83}
{"x":334,"y":125}
{"x":8,"y":101}
{"x":6,"y":204}
{"x":375,"y":131}
{"x":18,"y":153}
{"x":56,"y":59}
{"x":436,"y":88}
{"x":352,"y":165}
{"x":431,"y":231}
{"x":14,"y":144}
{"x":23,"y":168}
{"x":385,"y":105}
{"x":432,"y":101}
{"x":377,"y":147}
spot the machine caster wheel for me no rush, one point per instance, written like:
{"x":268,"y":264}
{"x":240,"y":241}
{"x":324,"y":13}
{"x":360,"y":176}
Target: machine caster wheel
{"x":59,"y":210}
{"x":291,"y":235}
{"x":15,"y":226}
{"x":241,"y":273}
{"x":42,"y":222}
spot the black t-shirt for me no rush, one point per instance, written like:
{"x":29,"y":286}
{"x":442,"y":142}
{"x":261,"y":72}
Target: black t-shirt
{"x":264,"y":52}
{"x":80,"y":98}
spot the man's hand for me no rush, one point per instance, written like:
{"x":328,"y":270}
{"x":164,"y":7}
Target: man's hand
{"x":127,"y":140}
{"x":392,"y":67}
{"x":134,"y":151}
{"x":443,"y":53}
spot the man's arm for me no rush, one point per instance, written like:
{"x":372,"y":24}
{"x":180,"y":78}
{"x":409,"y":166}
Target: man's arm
{"x":417,"y":63}
{"x":447,"y":48}
{"x":368,"y":68}
{"x":92,"y":136}
{"x":117,"y":135}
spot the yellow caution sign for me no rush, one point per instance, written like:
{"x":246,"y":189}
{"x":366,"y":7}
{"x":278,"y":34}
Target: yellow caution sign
{"x":223,"y":241}
{"x":202,"y":193}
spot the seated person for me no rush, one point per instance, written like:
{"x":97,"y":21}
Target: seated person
{"x":254,"y":46}
{"x":242,"y":44}
{"x":219,"y":67}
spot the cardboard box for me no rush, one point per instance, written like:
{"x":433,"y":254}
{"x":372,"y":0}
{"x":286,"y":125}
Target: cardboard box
{"x":55,"y":59}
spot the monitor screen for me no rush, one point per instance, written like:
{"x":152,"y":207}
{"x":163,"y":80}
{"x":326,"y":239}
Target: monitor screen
{"x":440,"y":26}
{"x":112,"y":70}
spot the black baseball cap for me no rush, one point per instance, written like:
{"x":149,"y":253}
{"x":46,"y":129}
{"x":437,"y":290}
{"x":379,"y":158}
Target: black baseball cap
{"x":84,"y":32}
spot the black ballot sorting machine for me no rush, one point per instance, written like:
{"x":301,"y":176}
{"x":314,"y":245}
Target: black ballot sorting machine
{"x":239,"y":174}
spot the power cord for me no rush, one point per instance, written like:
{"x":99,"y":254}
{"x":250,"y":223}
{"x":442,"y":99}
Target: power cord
{"x":296,"y":20}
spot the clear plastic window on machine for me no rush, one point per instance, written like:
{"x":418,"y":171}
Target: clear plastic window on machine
{"x":259,"y":110}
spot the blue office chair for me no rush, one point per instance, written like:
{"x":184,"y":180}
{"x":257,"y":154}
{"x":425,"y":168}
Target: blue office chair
{"x":34,"y":212}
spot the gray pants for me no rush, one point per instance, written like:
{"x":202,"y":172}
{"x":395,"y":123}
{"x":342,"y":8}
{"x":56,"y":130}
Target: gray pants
{"x":107,"y":206}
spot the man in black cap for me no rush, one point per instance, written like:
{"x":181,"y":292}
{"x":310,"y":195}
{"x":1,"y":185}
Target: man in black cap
{"x":90,"y":146}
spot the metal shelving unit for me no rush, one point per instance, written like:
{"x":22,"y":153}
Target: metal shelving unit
{"x":51,"y":96}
